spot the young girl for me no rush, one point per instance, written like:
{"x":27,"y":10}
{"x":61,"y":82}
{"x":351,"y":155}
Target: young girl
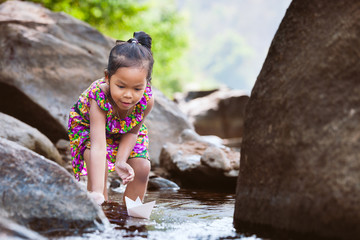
{"x":106,"y":125}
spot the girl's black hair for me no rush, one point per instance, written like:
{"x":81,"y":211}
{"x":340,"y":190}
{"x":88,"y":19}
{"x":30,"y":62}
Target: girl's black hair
{"x":136,"y":52}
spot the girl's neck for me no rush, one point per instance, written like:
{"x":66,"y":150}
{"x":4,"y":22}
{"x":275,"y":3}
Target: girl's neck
{"x":121,"y":113}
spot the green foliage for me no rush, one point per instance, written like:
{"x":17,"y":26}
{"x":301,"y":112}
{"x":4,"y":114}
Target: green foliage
{"x":119,"y":19}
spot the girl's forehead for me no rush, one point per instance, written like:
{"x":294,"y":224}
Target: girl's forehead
{"x":129,"y":75}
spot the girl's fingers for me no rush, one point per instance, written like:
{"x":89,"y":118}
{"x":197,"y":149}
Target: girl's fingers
{"x":129,"y":179}
{"x":129,"y":175}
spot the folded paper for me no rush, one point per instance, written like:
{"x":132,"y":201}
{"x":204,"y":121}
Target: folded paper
{"x":138,"y":209}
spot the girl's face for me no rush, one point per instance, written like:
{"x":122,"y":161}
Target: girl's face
{"x":127,"y":86}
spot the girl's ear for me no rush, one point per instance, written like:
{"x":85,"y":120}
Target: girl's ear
{"x":106,"y":73}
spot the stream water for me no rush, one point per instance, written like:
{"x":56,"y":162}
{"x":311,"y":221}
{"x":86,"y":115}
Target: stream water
{"x":178,"y":214}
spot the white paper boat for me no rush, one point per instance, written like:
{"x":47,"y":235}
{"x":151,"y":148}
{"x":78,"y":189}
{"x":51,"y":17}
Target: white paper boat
{"x":138,"y":209}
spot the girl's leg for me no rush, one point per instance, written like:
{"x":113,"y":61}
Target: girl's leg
{"x":137,"y":187}
{"x":105,"y":181}
{"x":96,"y":176}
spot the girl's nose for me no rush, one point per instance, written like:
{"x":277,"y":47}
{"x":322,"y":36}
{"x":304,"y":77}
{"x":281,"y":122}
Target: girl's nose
{"x":127,"y":94}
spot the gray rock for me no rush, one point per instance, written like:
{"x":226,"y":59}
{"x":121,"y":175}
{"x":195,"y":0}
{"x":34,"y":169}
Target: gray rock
{"x":63,"y":145}
{"x":189,"y":135}
{"x":29,"y":137}
{"x":301,"y":146}
{"x":159,"y":183}
{"x":210,"y":140}
{"x":191,"y":95}
{"x":10,"y":230}
{"x":200,"y":165}
{"x":215,"y":158}
{"x":165,"y":122}
{"x":220,"y":113}
{"x":39,"y":194}
{"x":115,"y":183}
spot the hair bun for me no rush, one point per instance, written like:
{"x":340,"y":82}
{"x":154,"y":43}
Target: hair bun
{"x":143,"y":38}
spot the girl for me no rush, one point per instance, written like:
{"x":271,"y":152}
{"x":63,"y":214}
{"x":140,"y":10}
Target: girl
{"x":106,"y":125}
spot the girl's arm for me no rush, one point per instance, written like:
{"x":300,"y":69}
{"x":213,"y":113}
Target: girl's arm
{"x":96,"y":163}
{"x":126,"y":145}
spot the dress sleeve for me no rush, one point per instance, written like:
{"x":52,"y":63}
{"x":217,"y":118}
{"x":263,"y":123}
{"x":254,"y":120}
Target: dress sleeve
{"x":96,"y":93}
{"x":146,"y":97}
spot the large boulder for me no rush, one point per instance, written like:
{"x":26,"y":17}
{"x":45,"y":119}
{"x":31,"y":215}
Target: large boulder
{"x":40,"y":195}
{"x":47,"y":60}
{"x":29,"y":137}
{"x":301,"y":145}
{"x":219,"y":113}
{"x":165,"y":122}
{"x":194,"y":163}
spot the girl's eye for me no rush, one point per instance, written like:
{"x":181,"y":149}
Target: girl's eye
{"x":138,"y":89}
{"x":120,"y":86}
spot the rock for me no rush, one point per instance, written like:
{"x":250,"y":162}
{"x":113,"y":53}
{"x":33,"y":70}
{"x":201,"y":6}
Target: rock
{"x":301,"y":145}
{"x":159,"y":183}
{"x":215,"y":158}
{"x":40,"y":195}
{"x":29,"y":137}
{"x":165,"y":122}
{"x":220,"y":113}
{"x":195,"y":164}
{"x":155,"y":183}
{"x":212,"y":140}
{"x":63,"y":145}
{"x":191,"y":95}
{"x":115,"y":183}
{"x":47,"y":60}
{"x":190,"y":135}
{"x":12,"y":231}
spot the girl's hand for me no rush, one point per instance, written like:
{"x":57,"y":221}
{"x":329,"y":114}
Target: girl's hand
{"x":125,"y":172}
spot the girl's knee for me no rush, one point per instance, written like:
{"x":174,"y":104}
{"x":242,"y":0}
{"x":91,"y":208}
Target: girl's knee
{"x":142,"y":168}
{"x":143,"y":172}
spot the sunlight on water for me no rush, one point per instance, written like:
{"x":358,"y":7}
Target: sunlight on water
{"x":176,"y":215}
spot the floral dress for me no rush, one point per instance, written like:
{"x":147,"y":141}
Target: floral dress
{"x":79,"y":127}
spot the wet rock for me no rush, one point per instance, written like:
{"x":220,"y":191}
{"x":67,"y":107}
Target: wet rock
{"x":29,"y":137}
{"x":220,"y":113}
{"x":301,"y":146}
{"x":115,"y":183}
{"x":165,"y":122}
{"x":160,"y":183}
{"x":40,"y":195}
{"x":199,"y":164}
{"x":47,"y":60}
{"x":12,"y":231}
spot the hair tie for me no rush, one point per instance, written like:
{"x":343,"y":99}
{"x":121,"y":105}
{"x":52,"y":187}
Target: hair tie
{"x":135,"y":41}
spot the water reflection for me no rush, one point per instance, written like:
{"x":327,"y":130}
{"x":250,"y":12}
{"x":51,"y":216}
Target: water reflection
{"x":182,"y":214}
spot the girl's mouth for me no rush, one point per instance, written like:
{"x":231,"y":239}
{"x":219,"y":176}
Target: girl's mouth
{"x":125,"y":104}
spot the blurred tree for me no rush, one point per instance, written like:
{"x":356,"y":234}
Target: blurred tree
{"x":119,"y":19}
